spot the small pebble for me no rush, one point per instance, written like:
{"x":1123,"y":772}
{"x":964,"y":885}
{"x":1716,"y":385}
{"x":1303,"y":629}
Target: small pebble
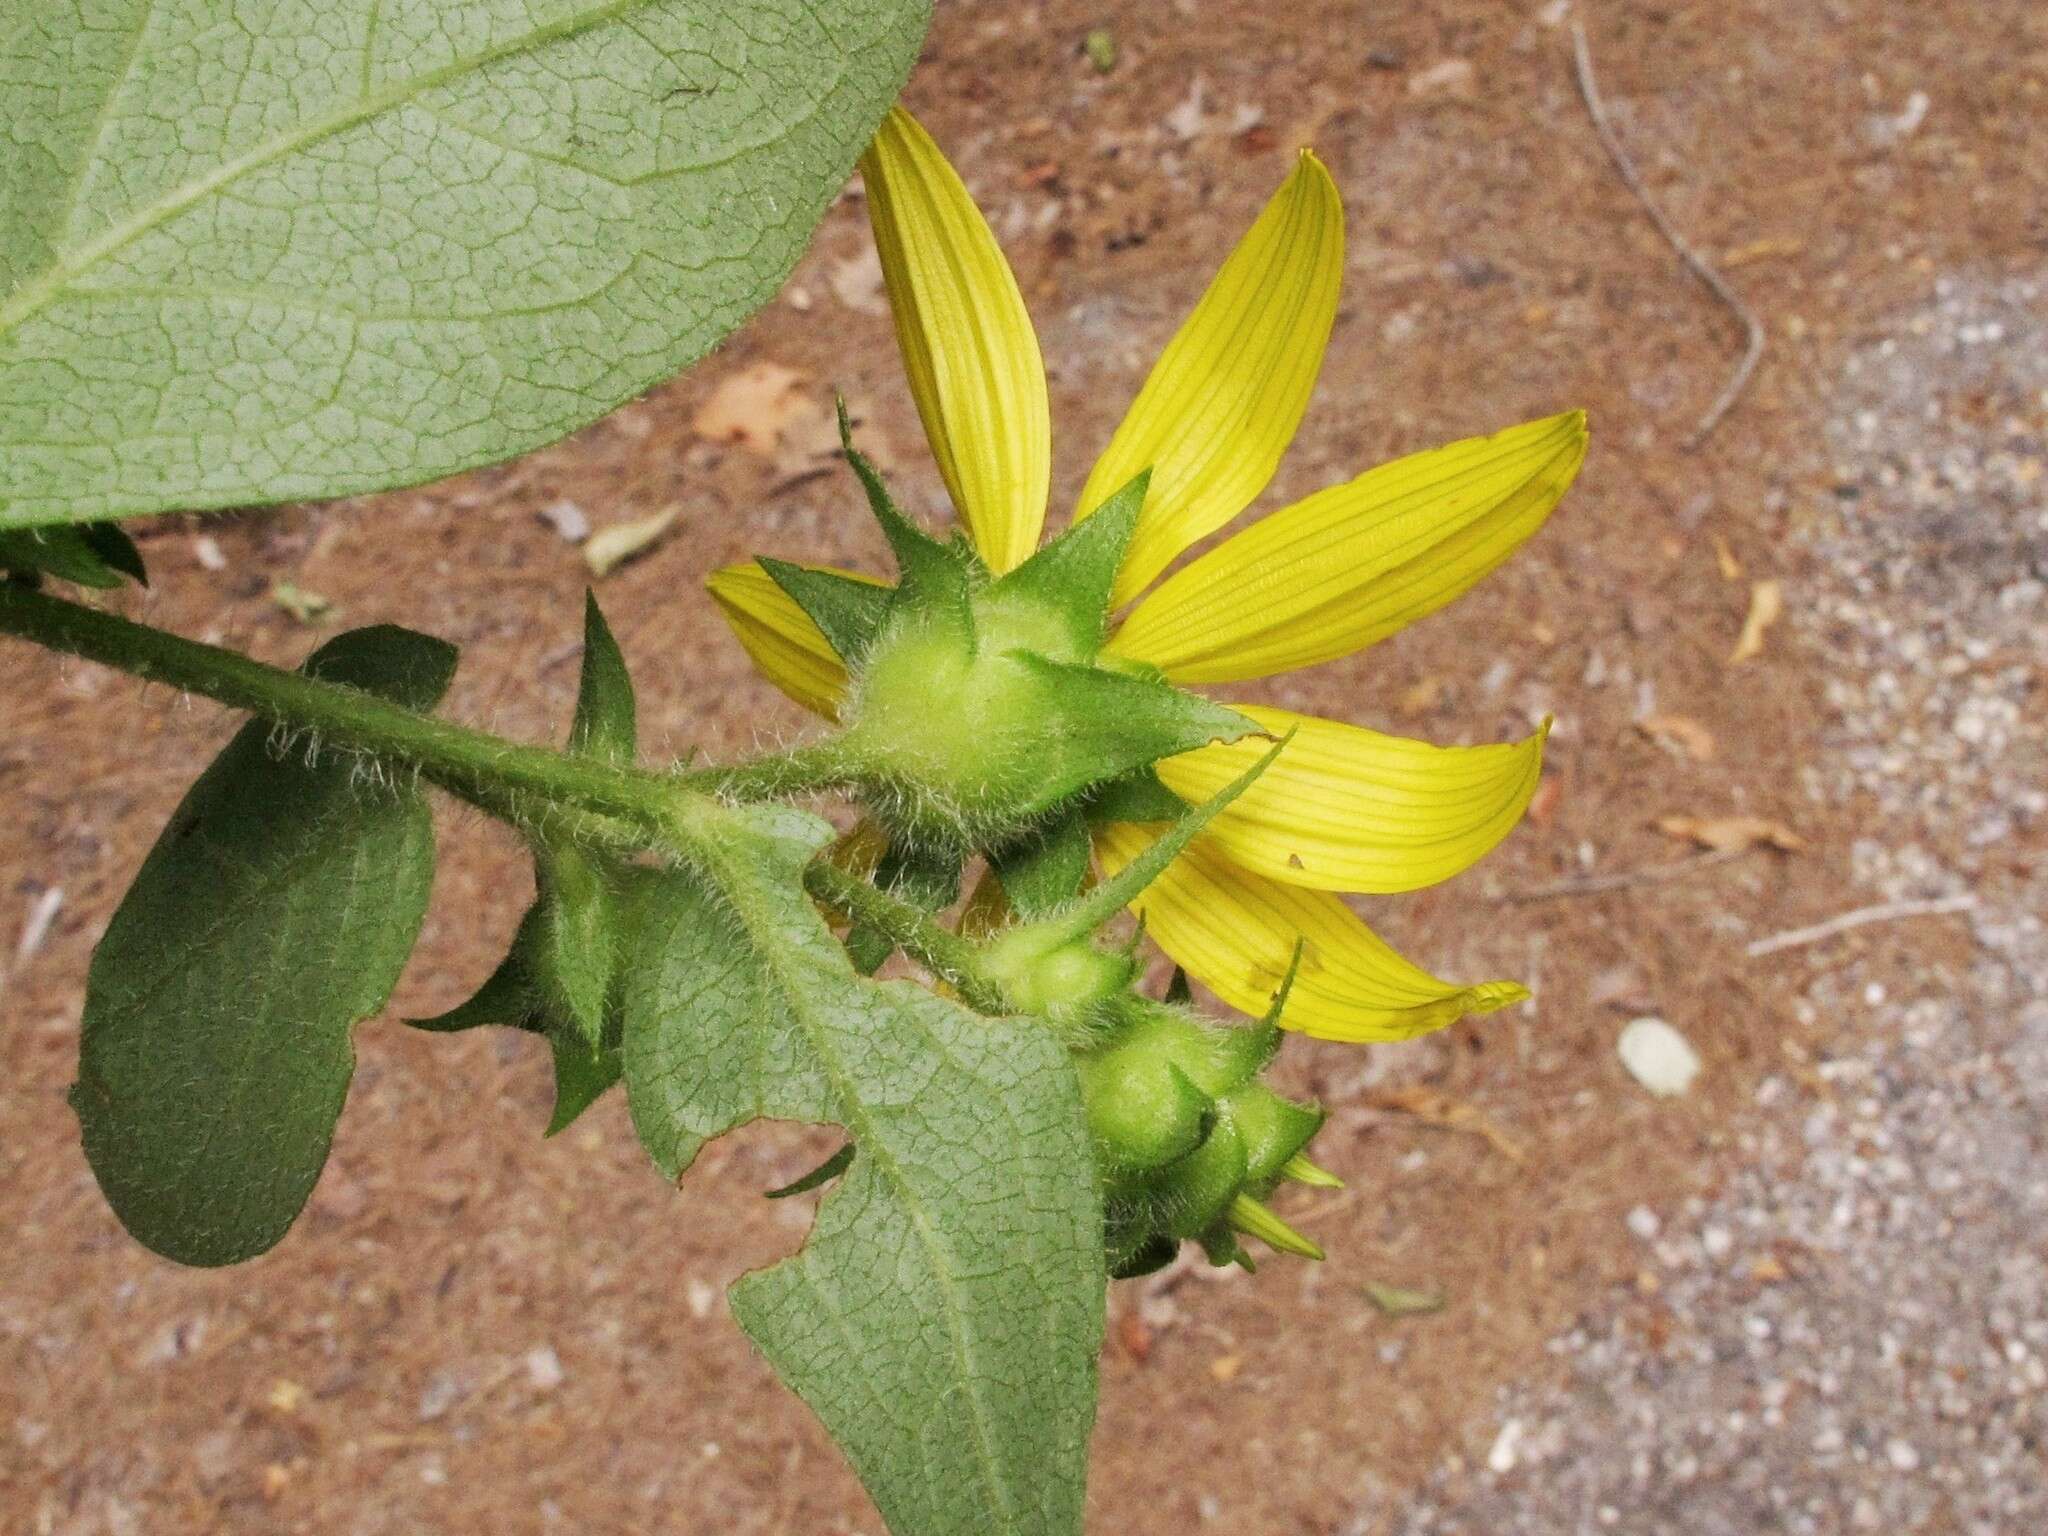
{"x":1658,"y":1056}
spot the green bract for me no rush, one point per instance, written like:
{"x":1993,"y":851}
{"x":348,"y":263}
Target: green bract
{"x":978,"y":708}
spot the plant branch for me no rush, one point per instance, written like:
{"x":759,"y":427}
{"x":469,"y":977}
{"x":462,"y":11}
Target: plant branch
{"x":499,"y":775}
{"x":801,"y":771}
{"x":947,"y":956}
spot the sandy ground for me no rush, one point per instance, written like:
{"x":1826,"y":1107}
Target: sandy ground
{"x":1807,"y":1295}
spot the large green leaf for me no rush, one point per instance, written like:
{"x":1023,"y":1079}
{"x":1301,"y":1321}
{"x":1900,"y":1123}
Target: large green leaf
{"x":273,"y":913}
{"x":253,"y":250}
{"x":944,"y":1316}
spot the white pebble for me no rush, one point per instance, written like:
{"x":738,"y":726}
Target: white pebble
{"x":1658,"y":1057}
{"x":1501,"y":1459}
{"x":544,"y":1368}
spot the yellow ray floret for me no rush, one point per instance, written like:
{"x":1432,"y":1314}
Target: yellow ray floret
{"x":1236,"y":932}
{"x":1223,"y":401}
{"x":1352,"y":564}
{"x":779,"y":636}
{"x":1347,"y":809}
{"x":968,"y":347}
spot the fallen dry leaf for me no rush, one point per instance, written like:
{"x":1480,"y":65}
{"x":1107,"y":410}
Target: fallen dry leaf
{"x":302,"y":603}
{"x":1433,"y":1106}
{"x":1724,"y":557}
{"x":1766,"y":605}
{"x":609,"y":548}
{"x":1680,"y":732}
{"x":1135,"y":1335}
{"x":1448,"y":77}
{"x":754,"y":407}
{"x":1732,"y":834}
{"x":1403,"y":1301}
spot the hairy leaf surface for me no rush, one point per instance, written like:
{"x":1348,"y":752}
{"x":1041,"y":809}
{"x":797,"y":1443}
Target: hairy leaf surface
{"x":944,"y":1316}
{"x":274,"y":912}
{"x":254,"y":250}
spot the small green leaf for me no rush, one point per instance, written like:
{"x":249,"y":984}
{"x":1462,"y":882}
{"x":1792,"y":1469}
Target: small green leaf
{"x":517,"y":995}
{"x":943,"y":1318}
{"x":604,"y":725}
{"x":583,"y":1073}
{"x":90,"y":555}
{"x":112,"y":544}
{"x":273,"y":913}
{"x":575,"y":955}
{"x":1074,"y":574}
{"x":1045,"y":871}
{"x":824,"y":1173}
{"x":253,"y":252}
{"x":847,"y":612}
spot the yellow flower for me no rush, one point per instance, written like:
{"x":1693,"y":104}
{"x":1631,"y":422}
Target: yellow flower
{"x":1344,"y":808}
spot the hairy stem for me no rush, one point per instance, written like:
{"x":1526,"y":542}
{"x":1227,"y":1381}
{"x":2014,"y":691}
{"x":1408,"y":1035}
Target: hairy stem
{"x":499,"y":775}
{"x":947,"y":956}
{"x":594,"y":800}
{"x":803,"y":770}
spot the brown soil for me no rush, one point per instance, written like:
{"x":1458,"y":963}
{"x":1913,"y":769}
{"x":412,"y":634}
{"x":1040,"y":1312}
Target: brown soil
{"x":473,"y":1330}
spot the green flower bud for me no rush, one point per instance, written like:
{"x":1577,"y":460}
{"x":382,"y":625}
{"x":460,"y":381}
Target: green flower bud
{"x":1143,"y":1111}
{"x":1041,"y":973}
{"x":1186,"y":1135}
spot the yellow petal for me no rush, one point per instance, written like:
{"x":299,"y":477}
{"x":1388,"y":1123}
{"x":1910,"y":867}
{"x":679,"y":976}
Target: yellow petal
{"x":968,"y":346}
{"x":785,"y":645}
{"x":1347,"y":809}
{"x":1222,"y":402}
{"x":1354,"y":563}
{"x":1235,"y":932}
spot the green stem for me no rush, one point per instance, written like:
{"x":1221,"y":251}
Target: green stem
{"x":494,"y":773}
{"x":601,"y":801}
{"x":947,"y":956}
{"x":805,"y":770}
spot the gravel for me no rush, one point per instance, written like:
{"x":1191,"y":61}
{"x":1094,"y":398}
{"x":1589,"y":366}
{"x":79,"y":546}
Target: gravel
{"x":1853,"y":1334}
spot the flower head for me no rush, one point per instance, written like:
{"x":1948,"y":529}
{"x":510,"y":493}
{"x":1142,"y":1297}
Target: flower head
{"x":1342,"y":808}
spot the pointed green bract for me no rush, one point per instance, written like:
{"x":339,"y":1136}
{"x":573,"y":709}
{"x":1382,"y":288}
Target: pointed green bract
{"x":848,"y":613}
{"x":1136,"y":797}
{"x":604,"y":725}
{"x":1072,"y":576}
{"x":934,"y":575}
{"x":273,"y":914}
{"x":959,"y":1261}
{"x":252,"y":252}
{"x":1044,"y":871}
{"x":1090,"y":724}
{"x":89,"y":555}
{"x":1114,"y":894}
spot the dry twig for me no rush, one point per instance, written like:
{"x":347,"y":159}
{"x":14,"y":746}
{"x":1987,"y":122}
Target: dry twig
{"x":1622,"y":879}
{"x":1884,"y":912}
{"x":1753,"y":351}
